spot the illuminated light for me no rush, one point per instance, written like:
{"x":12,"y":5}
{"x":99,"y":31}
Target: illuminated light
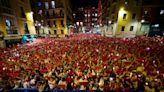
{"x":146,"y":12}
{"x":97,"y":50}
{"x":53,"y":4}
{"x":142,"y":21}
{"x":81,"y":23}
{"x":111,"y":78}
{"x":146,"y":83}
{"x":156,"y":25}
{"x":161,"y":12}
{"x":74,"y":14}
{"x":131,"y":74}
{"x":142,"y":64}
{"x":158,"y":72}
{"x":40,"y":12}
{"x":77,"y":23}
{"x":139,"y":75}
{"x":39,"y":4}
{"x":39,"y":24}
{"x":96,"y":14}
{"x":148,"y":48}
{"x":117,"y":54}
{"x":4,"y":68}
{"x":113,"y":68}
{"x":110,"y":22}
{"x":46,"y":5}
{"x":153,"y":61}
{"x":156,"y":79}
{"x":10,"y":69}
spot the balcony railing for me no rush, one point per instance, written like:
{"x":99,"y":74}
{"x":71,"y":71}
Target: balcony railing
{"x":5,"y":10}
{"x":55,"y":16}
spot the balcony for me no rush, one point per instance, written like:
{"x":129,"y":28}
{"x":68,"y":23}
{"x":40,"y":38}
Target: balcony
{"x":55,"y":13}
{"x":55,"y":16}
{"x":5,"y":10}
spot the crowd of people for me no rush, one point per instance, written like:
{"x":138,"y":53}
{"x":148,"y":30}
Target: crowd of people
{"x":85,"y":62}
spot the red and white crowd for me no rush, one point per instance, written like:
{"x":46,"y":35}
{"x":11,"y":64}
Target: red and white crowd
{"x":85,"y":62}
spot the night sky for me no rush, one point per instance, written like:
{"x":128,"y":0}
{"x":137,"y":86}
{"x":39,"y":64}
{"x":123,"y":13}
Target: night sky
{"x":83,"y":3}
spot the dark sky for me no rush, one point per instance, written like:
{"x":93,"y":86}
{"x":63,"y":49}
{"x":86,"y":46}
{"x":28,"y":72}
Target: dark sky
{"x":82,"y":3}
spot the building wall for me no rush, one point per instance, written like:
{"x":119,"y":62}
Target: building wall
{"x":148,"y":18}
{"x":48,"y":16}
{"x":86,"y":18}
{"x":13,"y":13}
{"x":121,"y":16}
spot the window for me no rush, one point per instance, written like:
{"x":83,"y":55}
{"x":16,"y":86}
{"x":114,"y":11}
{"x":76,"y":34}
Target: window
{"x":85,"y":15}
{"x":53,"y":4}
{"x":49,"y":31}
{"x":61,"y":13}
{"x":8,"y":25}
{"x":40,"y":12}
{"x":81,"y":23}
{"x":6,"y":3}
{"x":39,"y":4}
{"x":22,"y":14}
{"x":161,"y":12}
{"x":124,"y":16}
{"x":96,"y":14}
{"x":89,"y":15}
{"x":47,"y":14}
{"x":46,"y":5}
{"x":26,"y":28}
{"x":62,"y":31}
{"x":54,"y":23}
{"x":62,"y":23}
{"x":133,"y":16}
{"x":55,"y":32}
{"x":126,"y":1}
{"x":85,"y":20}
{"x":123,"y":28}
{"x":49,"y":23}
{"x":131,"y":28}
{"x":145,"y":12}
{"x":74,"y":15}
{"x":53,"y":12}
{"x":77,"y":23}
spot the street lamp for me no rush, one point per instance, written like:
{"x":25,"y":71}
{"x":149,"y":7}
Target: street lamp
{"x":142,"y":21}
